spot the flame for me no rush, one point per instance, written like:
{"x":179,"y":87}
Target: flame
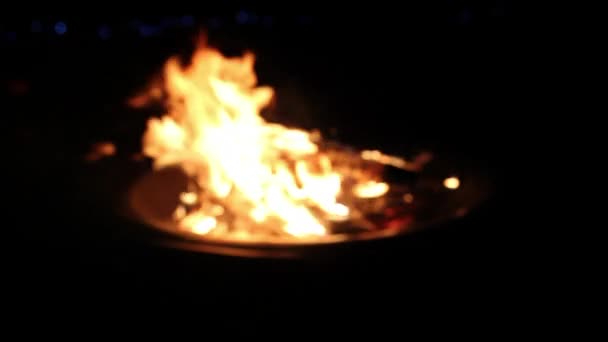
{"x":254,"y":178}
{"x":451,"y":183}
{"x":370,"y":189}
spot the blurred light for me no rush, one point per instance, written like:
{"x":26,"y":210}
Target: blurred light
{"x":36,"y":26}
{"x":451,"y":183}
{"x":187,"y":20}
{"x":204,"y":225}
{"x":148,"y":30}
{"x":101,"y":150}
{"x":104,"y":32}
{"x":408,"y":198}
{"x":242,"y":17}
{"x":188,"y":198}
{"x":61,"y":28}
{"x":340,"y":209}
{"x":371,"y":189}
{"x":12,"y":36}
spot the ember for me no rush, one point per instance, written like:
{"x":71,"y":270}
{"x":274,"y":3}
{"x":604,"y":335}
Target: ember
{"x":101,"y":150}
{"x":451,"y":183}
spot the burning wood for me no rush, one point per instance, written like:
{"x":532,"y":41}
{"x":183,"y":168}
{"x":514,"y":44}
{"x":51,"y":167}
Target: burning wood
{"x":252,"y":180}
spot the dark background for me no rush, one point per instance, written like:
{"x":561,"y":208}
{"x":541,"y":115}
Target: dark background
{"x":437,"y":76}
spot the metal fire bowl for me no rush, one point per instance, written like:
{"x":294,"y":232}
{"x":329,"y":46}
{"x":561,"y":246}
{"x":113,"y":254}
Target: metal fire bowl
{"x":152,"y":197}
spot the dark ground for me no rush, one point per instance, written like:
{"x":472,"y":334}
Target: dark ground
{"x":385,"y":82}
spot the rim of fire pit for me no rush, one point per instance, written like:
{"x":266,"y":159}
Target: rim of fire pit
{"x":473,"y":191}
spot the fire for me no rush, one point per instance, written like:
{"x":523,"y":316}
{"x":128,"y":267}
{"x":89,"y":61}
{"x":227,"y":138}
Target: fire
{"x":253,"y":179}
{"x":371,"y":189}
{"x":451,"y":183}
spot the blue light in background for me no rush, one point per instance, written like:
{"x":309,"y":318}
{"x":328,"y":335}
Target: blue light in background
{"x":11,"y":36}
{"x":187,"y":20}
{"x":61,"y":28}
{"x":148,"y":30}
{"x":242,"y":17}
{"x":36,"y":26}
{"x":104,"y":32}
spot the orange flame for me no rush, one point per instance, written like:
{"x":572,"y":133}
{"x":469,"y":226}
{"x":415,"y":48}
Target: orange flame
{"x":257,"y":178}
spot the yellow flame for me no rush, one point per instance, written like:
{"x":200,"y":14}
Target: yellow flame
{"x":188,"y":198}
{"x":378,"y":156}
{"x":370,"y":189}
{"x":268,"y":178}
{"x":199,"y":223}
{"x":451,"y":183}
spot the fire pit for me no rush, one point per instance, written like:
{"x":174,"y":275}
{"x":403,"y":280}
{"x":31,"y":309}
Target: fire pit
{"x":224,"y":180}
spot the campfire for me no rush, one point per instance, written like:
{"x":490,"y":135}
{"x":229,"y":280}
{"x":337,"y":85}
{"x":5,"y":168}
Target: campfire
{"x":222,"y":173}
